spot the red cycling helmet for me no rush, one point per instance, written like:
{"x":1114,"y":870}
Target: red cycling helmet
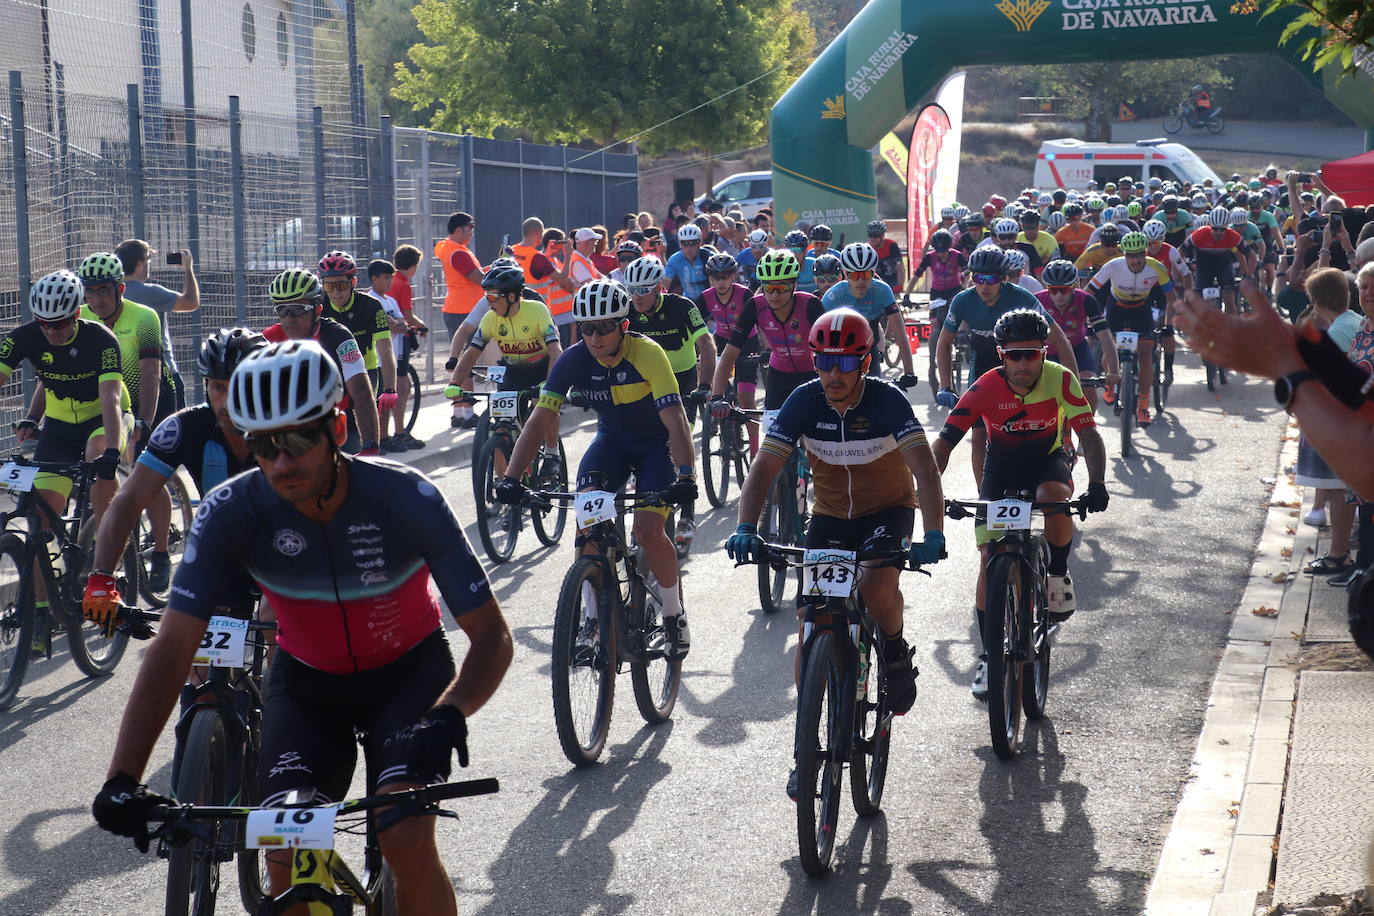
{"x":842,"y":332}
{"x":338,"y":264}
{"x":989,"y":211}
{"x":997,"y":200}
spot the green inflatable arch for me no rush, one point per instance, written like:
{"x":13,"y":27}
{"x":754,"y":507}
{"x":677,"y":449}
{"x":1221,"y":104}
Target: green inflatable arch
{"x":894,"y":52}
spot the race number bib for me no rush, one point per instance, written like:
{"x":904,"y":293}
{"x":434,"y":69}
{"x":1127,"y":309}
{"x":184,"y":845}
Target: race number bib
{"x":503,"y":405}
{"x":938,"y":303}
{"x":17,"y":478}
{"x":1212,"y":292}
{"x":223,"y":644}
{"x":593,"y":507}
{"x":830,"y":573}
{"x":768,"y":417}
{"x":299,"y":828}
{"x":496,"y":374}
{"x":1008,"y":515}
{"x":1127,"y":340}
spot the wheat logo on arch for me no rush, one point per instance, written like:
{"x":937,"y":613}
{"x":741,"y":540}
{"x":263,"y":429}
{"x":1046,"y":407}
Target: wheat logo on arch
{"x":1022,"y":13}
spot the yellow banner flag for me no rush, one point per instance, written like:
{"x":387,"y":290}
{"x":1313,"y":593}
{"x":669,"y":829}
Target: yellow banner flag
{"x":894,"y":152}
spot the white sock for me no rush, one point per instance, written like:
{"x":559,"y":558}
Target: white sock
{"x":671,"y":604}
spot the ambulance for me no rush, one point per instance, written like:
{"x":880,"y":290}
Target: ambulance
{"x":1070,"y":164}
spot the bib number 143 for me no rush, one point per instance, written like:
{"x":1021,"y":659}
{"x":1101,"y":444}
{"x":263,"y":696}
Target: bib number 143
{"x":830,"y":573}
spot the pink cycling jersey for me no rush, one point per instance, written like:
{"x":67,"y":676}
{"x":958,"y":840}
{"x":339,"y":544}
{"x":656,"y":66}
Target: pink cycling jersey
{"x":721,"y":316}
{"x":789,"y":349}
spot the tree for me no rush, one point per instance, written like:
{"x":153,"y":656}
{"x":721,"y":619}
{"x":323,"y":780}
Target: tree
{"x":606,"y":70}
{"x":1342,"y":30}
{"x":1096,"y":89}
{"x":386,"y":30}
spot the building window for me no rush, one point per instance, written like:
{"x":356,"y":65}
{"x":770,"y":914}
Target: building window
{"x":250,"y":33}
{"x":283,"y":40}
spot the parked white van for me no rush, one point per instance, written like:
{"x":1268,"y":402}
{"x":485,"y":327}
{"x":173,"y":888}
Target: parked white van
{"x":749,"y":191}
{"x":1071,"y":164}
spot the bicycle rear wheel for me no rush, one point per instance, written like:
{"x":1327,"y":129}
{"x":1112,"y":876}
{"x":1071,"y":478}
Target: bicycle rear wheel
{"x":583,"y":668}
{"x":1173,"y":124}
{"x":95,"y":653}
{"x":183,"y":513}
{"x":193,"y":868}
{"x":715,"y":460}
{"x":413,"y":411}
{"x":656,"y":679}
{"x":498,"y":525}
{"x":872,"y":734}
{"x":16,"y":616}
{"x":549,"y":523}
{"x":823,"y":736}
{"x":1001,"y":637}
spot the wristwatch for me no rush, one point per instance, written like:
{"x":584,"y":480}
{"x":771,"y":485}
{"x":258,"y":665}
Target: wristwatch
{"x":1286,"y":388}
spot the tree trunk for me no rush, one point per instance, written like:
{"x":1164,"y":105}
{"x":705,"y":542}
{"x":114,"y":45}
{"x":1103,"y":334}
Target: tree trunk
{"x":1097,"y":126}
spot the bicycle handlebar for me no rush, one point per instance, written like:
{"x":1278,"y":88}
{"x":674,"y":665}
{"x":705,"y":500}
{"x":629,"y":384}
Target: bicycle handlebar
{"x":138,"y":623}
{"x":793,"y":556}
{"x":959,"y":508}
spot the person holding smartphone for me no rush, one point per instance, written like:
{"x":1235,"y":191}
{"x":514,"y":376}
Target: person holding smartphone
{"x":136,"y":256}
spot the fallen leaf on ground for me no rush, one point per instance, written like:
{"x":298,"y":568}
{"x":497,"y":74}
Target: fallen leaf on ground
{"x":1207,"y":852}
{"x":1262,"y":611}
{"x":1287,"y":504}
{"x":1285,"y":552}
{"x":1283,"y":578}
{"x":1289,"y":529}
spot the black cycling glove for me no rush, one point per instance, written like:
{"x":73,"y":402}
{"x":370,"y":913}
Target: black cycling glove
{"x":683,"y":491}
{"x":1096,"y":498}
{"x":105,"y":465}
{"x":441,"y":732}
{"x":123,"y":807}
{"x":509,"y":491}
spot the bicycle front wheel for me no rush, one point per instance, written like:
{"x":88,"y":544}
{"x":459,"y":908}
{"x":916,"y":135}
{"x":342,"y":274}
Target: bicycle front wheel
{"x":774,"y":527}
{"x":95,"y":653}
{"x":739,"y":444}
{"x":584,"y":662}
{"x":823,"y":735}
{"x":1173,"y":124}
{"x":657,"y":678}
{"x":1002,"y":639}
{"x":16,"y":616}
{"x":872,"y":734}
{"x":498,"y":525}
{"x":549,"y":523}
{"x":1035,"y":687}
{"x":1126,"y":397}
{"x":193,"y":868}
{"x":413,"y":411}
{"x":715,"y":460}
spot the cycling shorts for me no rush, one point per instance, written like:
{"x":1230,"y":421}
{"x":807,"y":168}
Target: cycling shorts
{"x":616,"y":456}
{"x":1140,"y":318}
{"x":1001,"y":479}
{"x":1083,"y":355}
{"x":1214,"y":271}
{"x":781,"y":384}
{"x":686,"y":384}
{"x":61,"y":441}
{"x":850,"y":533}
{"x":309,"y":717}
{"x":747,"y":364}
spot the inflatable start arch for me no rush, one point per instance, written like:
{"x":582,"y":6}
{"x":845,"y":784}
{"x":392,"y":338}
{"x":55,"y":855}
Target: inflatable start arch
{"x":895,"y":51}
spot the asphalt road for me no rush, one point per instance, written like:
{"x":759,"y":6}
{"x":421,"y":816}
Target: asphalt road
{"x":691,"y":817}
{"x":1281,"y":138}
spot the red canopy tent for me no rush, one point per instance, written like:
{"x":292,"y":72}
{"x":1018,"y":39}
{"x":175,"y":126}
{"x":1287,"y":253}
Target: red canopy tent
{"x":1352,"y":179}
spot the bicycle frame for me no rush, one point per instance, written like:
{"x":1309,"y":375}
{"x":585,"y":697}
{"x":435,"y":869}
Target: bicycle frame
{"x":62,"y":528}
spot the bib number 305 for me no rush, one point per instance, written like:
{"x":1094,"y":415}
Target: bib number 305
{"x":830,"y":573}
{"x":503,"y":405}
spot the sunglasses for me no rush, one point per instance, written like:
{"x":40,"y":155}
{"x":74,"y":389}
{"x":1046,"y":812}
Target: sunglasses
{"x":1060,"y":290}
{"x":987,"y":279}
{"x":722,"y":275}
{"x":626,"y":258}
{"x":1007,"y":238}
{"x":57,"y":324}
{"x":294,"y":311}
{"x":599,"y":328}
{"x":295,"y":442}
{"x":1018,"y":354}
{"x":643,"y":290}
{"x":828,"y":362}
{"x":337,"y":284}
{"x":691,"y":244}
{"x":859,"y":275}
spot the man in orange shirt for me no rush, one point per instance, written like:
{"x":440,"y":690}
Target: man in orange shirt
{"x":462,"y":271}
{"x":1073,"y":238}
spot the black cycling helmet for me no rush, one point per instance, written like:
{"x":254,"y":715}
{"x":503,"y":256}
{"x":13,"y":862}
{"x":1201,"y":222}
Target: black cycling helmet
{"x":1059,"y":196}
{"x":1072,"y":210}
{"x":821,"y":233}
{"x":989,"y":259}
{"x":941,"y":240}
{"x":722,"y":264}
{"x":827,"y":265}
{"x":794,"y":239}
{"x":1169,"y":203}
{"x":222,"y":352}
{"x":876,"y":228}
{"x":973,"y":219}
{"x":506,"y":279}
{"x":1021,"y":324}
{"x":1113,"y":201}
{"x":1109,"y":235}
{"x":1059,"y":272}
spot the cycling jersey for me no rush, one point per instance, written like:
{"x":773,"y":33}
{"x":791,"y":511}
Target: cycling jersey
{"x":856,"y":457}
{"x":675,"y":325}
{"x":1075,"y":318}
{"x":788,"y":340}
{"x":946,"y":271}
{"x":721,"y":316}
{"x":522,"y":338}
{"x":889,"y":262}
{"x":351,"y":594}
{"x":748,"y":264}
{"x":71,"y":372}
{"x":627,"y":392}
{"x":1250,"y":234}
{"x":1215,"y":257}
{"x":967,"y":241}
{"x":1171,"y":258}
{"x":806,"y":280}
{"x":1092,"y":260}
{"x":140,"y":337}
{"x":1021,"y":428}
{"x":1044,"y":244}
{"x":1131,"y":289}
{"x":365,"y":319}
{"x":1176,"y":226}
{"x":1073,"y":238}
{"x":192,"y":438}
{"x":690,"y":274}
{"x":876,"y":304}
{"x":969,"y":308}
{"x":337,"y":341}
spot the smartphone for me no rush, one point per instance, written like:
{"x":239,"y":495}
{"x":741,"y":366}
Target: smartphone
{"x":1335,"y":221}
{"x":505,"y":247}
{"x":1307,"y":178}
{"x":174,"y":257}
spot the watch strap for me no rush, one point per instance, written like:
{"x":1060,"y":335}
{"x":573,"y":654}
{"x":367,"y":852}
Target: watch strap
{"x":1286,"y":388}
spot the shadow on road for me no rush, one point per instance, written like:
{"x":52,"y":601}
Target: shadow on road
{"x":28,"y":710}
{"x":760,"y":678}
{"x":858,"y":883}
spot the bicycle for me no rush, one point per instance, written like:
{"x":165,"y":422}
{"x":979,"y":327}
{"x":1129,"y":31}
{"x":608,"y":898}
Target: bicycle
{"x":413,"y":336}
{"x":319,"y":875}
{"x":1160,"y":384}
{"x":723,"y":449}
{"x":1215,"y":373}
{"x":63,"y":575}
{"x":183,"y":514}
{"x":783,"y":520}
{"x":1017,"y":630}
{"x":843,"y":716}
{"x":606,"y":617}
{"x":1127,"y":392}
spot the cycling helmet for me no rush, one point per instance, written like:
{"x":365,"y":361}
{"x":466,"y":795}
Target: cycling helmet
{"x":599,"y":299}
{"x":758,"y":238}
{"x":58,"y":295}
{"x":828,"y":265}
{"x":1153,"y":230}
{"x":645,"y":271}
{"x":296,"y":284}
{"x":1255,"y":184}
{"x":1134,"y":243}
{"x":795,"y":239}
{"x":998,"y":201}
{"x":1109,"y":214}
{"x":101,"y":267}
{"x":338,"y":264}
{"x":222,"y":352}
{"x":990,"y":210}
{"x":1156,"y":183}
{"x":1012,"y":210}
{"x":1059,"y":272}
{"x":858,"y":256}
{"x":960,"y":211}
{"x":505,"y":262}
{"x":876,"y":228}
{"x":1073,"y":196}
{"x":1096,"y":203}
{"x":778,"y":266}
{"x":629,"y":245}
{"x":1169,"y":204}
{"x":1005,"y":227}
{"x":1109,"y":186}
{"x":1044,"y":199}
{"x":821,"y":233}
{"x":1134,"y":210}
{"x":709,"y":251}
{"x":1017,"y":260}
{"x":843,"y":332}
{"x":505,"y":279}
{"x":1199,"y":201}
{"x":1059,"y":196}
{"x":688,"y":232}
{"x":1072,"y":210}
{"x":1030,"y":215}
{"x":946,"y":213}
{"x":1239,"y":216}
{"x":974,"y":220}
{"x":283,"y":384}
{"x":722,"y":264}
{"x":1114,"y":200}
{"x":1055,"y":221}
{"x":941,"y":240}
{"x":1109,"y":234}
{"x":988,"y":260}
{"x":1219,"y":218}
{"x":1021,"y":324}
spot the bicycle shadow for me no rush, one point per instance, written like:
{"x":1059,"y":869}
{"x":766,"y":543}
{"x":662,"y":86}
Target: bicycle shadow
{"x":759,"y":682}
{"x":1021,"y":803}
{"x":859,"y":879}
{"x":570,"y":833}
{"x":30,"y":710}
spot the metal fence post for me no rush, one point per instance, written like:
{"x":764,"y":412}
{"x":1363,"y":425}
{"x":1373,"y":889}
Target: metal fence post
{"x":317,"y":126}
{"x":520,"y":158}
{"x":567,"y":226}
{"x":388,"y":169}
{"x":140,"y":207}
{"x":422,"y":232}
{"x":236,"y":203}
{"x":61,"y":179}
{"x":19,"y":147}
{"x":188,"y":83}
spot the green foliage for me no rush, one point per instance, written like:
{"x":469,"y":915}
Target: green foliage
{"x":827,"y":17}
{"x":386,"y":30}
{"x":605,"y":70}
{"x":1325,"y":31}
{"x":1094,"y":89}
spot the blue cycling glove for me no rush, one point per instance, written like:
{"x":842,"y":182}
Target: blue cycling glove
{"x":946,"y":398}
{"x":928,"y":551}
{"x":745,"y":545}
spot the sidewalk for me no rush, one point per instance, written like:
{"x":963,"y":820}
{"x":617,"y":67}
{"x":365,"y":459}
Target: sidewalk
{"x":1279,"y":805}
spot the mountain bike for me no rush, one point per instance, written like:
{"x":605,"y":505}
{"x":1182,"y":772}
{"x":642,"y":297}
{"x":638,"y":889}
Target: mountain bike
{"x":61,"y":552}
{"x":1017,"y":632}
{"x":183,"y":513}
{"x":843,"y":717}
{"x":724,"y":451}
{"x":1215,"y":373}
{"x":783,"y":520}
{"x":1160,"y":384}
{"x":607,"y":616}
{"x":1128,"y":391}
{"x":413,"y":336}
{"x":306,"y":828}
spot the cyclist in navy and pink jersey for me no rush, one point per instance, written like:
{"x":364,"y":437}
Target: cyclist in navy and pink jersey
{"x":721,"y":305}
{"x":1075,"y":311}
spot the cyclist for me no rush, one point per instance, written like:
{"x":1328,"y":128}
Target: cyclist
{"x":1262,"y":216}
{"x":1254,"y":240}
{"x":1129,"y":280}
{"x":1073,"y":237}
{"x":947,"y":269}
{"x":1076,"y":313}
{"x":826,"y":270}
{"x":344,"y":550}
{"x":796,"y":242}
{"x":1181,"y":274}
{"x":970,"y":233}
{"x":863,"y":292}
{"x":1216,"y":249}
{"x":626,"y":252}
{"x":865,"y":448}
{"x":628,"y":381}
{"x":1031,"y":240}
{"x":1106,"y":248}
{"x":722,"y":304}
{"x":889,"y":254}
{"x":686,"y":269}
{"x":365,"y":317}
{"x":299,"y":301}
{"x":749,"y":257}
{"x":1027,"y":405}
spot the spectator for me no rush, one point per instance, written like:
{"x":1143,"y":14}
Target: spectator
{"x":646,"y":220}
{"x":604,"y":261}
{"x":135,"y":255}
{"x":1361,"y":353}
{"x":581,"y":268}
{"x":653,"y":243}
{"x":559,"y":292}
{"x":462,"y":271}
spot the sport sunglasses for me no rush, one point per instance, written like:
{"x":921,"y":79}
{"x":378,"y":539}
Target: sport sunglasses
{"x":56,"y":324}
{"x":598,"y":328}
{"x":294,"y":311}
{"x":987,"y":279}
{"x":1018,"y":354}
{"x":777,"y":288}
{"x":1060,"y":290}
{"x":294,"y":442}
{"x":827,"y":362}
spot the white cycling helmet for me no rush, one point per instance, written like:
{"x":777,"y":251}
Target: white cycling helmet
{"x":946,"y":213}
{"x":858,"y":256}
{"x":758,"y":239}
{"x":1044,"y":199}
{"x":1153,"y":229}
{"x":284,"y":384}
{"x":1005,"y":227}
{"x":1095,"y":203}
{"x":1239,"y":216}
{"x":1017,"y":260}
{"x":1012,"y":211}
{"x":1055,"y":221}
{"x":960,"y":212}
{"x":58,"y":295}
{"x":1219,"y":218}
{"x":597,"y":300}
{"x":688,"y":232}
{"x":645,"y":271}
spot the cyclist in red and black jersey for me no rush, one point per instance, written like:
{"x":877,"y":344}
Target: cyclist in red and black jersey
{"x":889,"y":254}
{"x":1216,"y":251}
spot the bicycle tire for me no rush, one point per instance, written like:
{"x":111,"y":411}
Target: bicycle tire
{"x":1157,"y":385}
{"x":550,"y":523}
{"x":827,"y":693}
{"x":1127,"y":398}
{"x":1211,"y":370}
{"x":656,"y":680}
{"x":892,"y":353}
{"x":1000,"y":637}
{"x":193,"y":868}
{"x":415,"y":393}
{"x":183,"y":514}
{"x":743,"y":457}
{"x":95,"y":654}
{"x":583,"y":745}
{"x":498,"y":525}
{"x":872,"y":733}
{"x":957,"y":371}
{"x":1173,"y":124}
{"x":774,"y":527}
{"x":16,"y":616}
{"x":712,"y":448}
{"x":1035,"y":687}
